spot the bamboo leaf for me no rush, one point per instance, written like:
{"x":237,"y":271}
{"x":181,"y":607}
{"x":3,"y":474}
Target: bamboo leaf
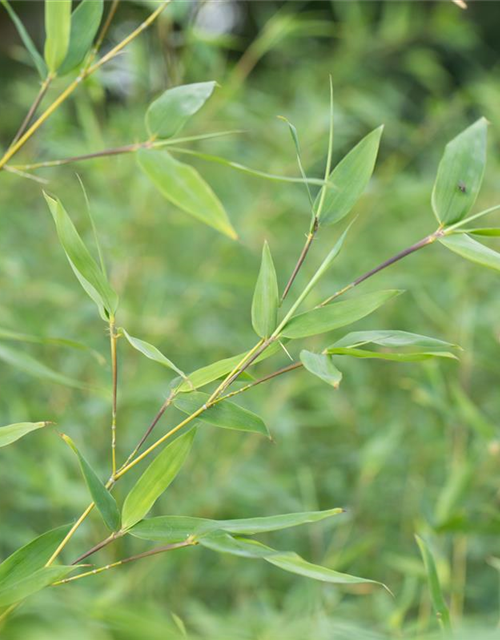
{"x":460,"y":174}
{"x":155,"y":480}
{"x":38,"y":580}
{"x":266,"y":297}
{"x":151,"y":352}
{"x":472,"y":250}
{"x":225,"y":414}
{"x":349,"y":179}
{"x":183,"y":186}
{"x":168,"y":114}
{"x":83,"y":264}
{"x":13,"y":432}
{"x":103,"y":499}
{"x":438,"y":601}
{"x":57,"y":32}
{"x":39,"y":62}
{"x":85,"y":21}
{"x":417,"y":356}
{"x":338,"y":314}
{"x":295,"y":138}
{"x":484,"y":231}
{"x":321,"y":366}
{"x":389,"y":338}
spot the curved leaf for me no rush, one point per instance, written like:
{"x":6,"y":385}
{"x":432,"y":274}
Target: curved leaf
{"x":38,"y":580}
{"x":322,"y":367}
{"x":40,"y":65}
{"x":151,"y":352}
{"x":437,"y":597}
{"x":472,"y":250}
{"x":13,"y":432}
{"x":85,"y":21}
{"x":266,"y":297}
{"x":57,"y":32}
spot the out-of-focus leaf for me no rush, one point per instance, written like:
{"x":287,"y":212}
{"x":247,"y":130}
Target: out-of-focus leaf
{"x":436,"y":593}
{"x":13,"y":432}
{"x":20,"y":589}
{"x":338,"y":314}
{"x":266,"y":297}
{"x":460,"y":174}
{"x":225,"y":414}
{"x":417,"y":356}
{"x":57,"y":32}
{"x":484,"y":231}
{"x":151,"y":352}
{"x":83,"y":264}
{"x":168,"y":114}
{"x":295,"y":138}
{"x":349,"y":179}
{"x":183,"y":186}
{"x":85,"y":21}
{"x":472,"y":250}
{"x":322,"y":367}
{"x":167,"y":529}
{"x":103,"y":499}
{"x":39,"y":62}
{"x":155,"y":480}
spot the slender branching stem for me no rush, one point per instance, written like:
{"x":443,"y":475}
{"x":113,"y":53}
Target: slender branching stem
{"x":303,"y":255}
{"x":98,"y":546}
{"x":32,"y":110}
{"x":113,"y":337}
{"x":69,"y":535}
{"x":250,"y":385}
{"x":104,"y":30}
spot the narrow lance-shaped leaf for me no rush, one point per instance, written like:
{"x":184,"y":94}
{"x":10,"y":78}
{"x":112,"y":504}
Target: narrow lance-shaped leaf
{"x":338,"y":314}
{"x":20,"y":589}
{"x":13,"y":432}
{"x":39,"y":62}
{"x":321,"y":366}
{"x":349,"y":179}
{"x":168,"y":114}
{"x":460,"y":174}
{"x":472,"y":250}
{"x":151,"y":352}
{"x":83,"y":264}
{"x":183,"y":186}
{"x":295,"y":138}
{"x":437,"y":597}
{"x":266,"y":297}
{"x":484,"y":231}
{"x":155,"y":480}
{"x":168,"y":529}
{"x":103,"y":499}
{"x":225,"y":414}
{"x":85,"y":21}
{"x":57,"y":32}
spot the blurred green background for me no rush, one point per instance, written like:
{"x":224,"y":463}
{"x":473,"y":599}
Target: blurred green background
{"x":404,"y":448}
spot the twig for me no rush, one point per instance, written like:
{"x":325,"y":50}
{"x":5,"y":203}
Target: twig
{"x":302,"y":257}
{"x":114,"y":373}
{"x":32,"y":110}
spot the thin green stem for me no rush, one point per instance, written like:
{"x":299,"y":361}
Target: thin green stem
{"x":113,"y":337}
{"x":32,"y":110}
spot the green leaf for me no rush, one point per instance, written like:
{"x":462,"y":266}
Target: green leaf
{"x":460,"y":174}
{"x":295,"y":138}
{"x":103,"y":499}
{"x":393,"y":356}
{"x":83,"y":264}
{"x":472,"y":250}
{"x":151,"y":352}
{"x":27,"y":41}
{"x":169,"y":529}
{"x":38,"y":580}
{"x":155,"y":480}
{"x":85,"y":21}
{"x":349,"y":179}
{"x":168,"y":114}
{"x":437,"y":598}
{"x":57,"y":32}
{"x":321,"y":366}
{"x":484,"y":231}
{"x":336,"y":315}
{"x":33,"y":556}
{"x":266,"y":297}
{"x":183,"y":186}
{"x":225,"y":414}
{"x":13,"y":432}
{"x":222,"y":542}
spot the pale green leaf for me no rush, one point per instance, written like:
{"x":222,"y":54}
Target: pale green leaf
{"x":102,"y":498}
{"x":85,"y":21}
{"x":321,"y":366}
{"x":151,"y":352}
{"x":266,"y":297}
{"x":155,"y":480}
{"x":389,"y":338}
{"x":13,"y":432}
{"x":57,"y":32}
{"x":183,"y":186}
{"x":460,"y":174}
{"x":416,"y":356}
{"x":472,"y":250}
{"x":168,"y":114}
{"x":438,"y":601}
{"x":27,"y":41}
{"x":20,"y":589}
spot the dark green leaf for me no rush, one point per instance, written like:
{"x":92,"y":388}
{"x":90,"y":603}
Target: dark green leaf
{"x":57,"y":32}
{"x":322,"y":367}
{"x":13,"y":432}
{"x":472,"y":250}
{"x":27,"y":41}
{"x":85,"y":21}
{"x":266,"y":297}
{"x":437,"y":597}
{"x":20,"y":589}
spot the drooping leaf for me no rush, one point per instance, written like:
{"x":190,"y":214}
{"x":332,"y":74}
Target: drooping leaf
{"x":155,"y":480}
{"x":321,"y":366}
{"x":85,"y":21}
{"x":266,"y":297}
{"x":151,"y":352}
{"x":13,"y":432}
{"x":226,"y":415}
{"x":33,"y":556}
{"x":20,"y":589}
{"x":460,"y":174}
{"x":472,"y":250}
{"x":438,"y":601}
{"x":39,"y":62}
{"x":168,"y":114}
{"x":338,"y":314}
{"x":349,"y":179}
{"x":183,"y":186}
{"x":83,"y":264}
{"x":57,"y":32}
{"x":168,"y":529}
{"x":102,"y":498}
